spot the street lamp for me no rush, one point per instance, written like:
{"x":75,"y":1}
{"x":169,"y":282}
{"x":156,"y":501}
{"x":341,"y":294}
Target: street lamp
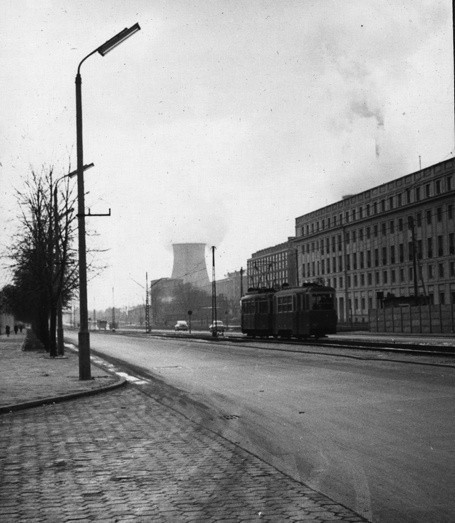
{"x":84,"y":336}
{"x":60,"y":344}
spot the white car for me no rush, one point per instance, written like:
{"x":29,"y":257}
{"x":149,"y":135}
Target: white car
{"x":217,"y":325}
{"x":181,"y":325}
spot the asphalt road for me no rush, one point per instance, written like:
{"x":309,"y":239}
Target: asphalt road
{"x":374,"y":435}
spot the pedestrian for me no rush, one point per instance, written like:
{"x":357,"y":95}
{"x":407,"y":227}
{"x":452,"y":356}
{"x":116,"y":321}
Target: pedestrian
{"x":7,"y":330}
{"x":16,"y":328}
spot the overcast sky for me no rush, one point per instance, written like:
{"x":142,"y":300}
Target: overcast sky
{"x":220,"y":121}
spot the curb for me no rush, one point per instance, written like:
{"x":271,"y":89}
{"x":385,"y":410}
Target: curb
{"x":59,"y":399}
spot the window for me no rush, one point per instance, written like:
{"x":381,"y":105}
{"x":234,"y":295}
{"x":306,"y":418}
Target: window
{"x":399,"y":200}
{"x":428,"y":217}
{"x":410,"y":251}
{"x":375,"y":229}
{"x":368,"y":209}
{"x":451,"y":243}
{"x":430,"y":272}
{"x":384,"y":229}
{"x":452,"y":269}
{"x":384,"y":256}
{"x":375,"y":208}
{"x":449,"y":183}
{"x":439,"y":213}
{"x":411,"y":274}
{"x":348,"y":238}
{"x":438,"y":186}
{"x":401,"y":251}
{"x":382,"y":205}
{"x":368,"y":233}
{"x":334,"y":264}
{"x":392,"y":254}
{"x":440,"y":246}
{"x":360,"y":234}
{"x":402,"y":275}
{"x":340,"y":263}
{"x":400,"y":224}
{"x":441,"y":270}
{"x":376,"y":257}
{"x":391,"y":202}
{"x":392,"y":276}
{"x":442,"y":298}
{"x":450,"y":211}
{"x":417,"y":194}
{"x":384,"y":276}
{"x":322,"y":301}
{"x":370,"y":278}
{"x":376,"y":278}
{"x":368,"y":259}
{"x":427,"y":190}
{"x":285,"y":304}
{"x":419,"y":219}
{"x":339,"y":243}
{"x":430,"y":247}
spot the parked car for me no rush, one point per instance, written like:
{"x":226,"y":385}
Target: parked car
{"x":217,"y":325}
{"x":181,"y":325}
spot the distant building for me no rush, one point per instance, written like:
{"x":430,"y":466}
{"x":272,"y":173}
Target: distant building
{"x":273,"y":267}
{"x":396,"y":239}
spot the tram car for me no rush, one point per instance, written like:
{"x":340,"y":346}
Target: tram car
{"x":298,"y":312}
{"x":257,"y":312}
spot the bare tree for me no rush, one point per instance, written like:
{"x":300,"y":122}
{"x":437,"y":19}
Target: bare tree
{"x":44,"y":262}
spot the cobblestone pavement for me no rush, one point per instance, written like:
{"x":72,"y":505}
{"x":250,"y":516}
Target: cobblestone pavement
{"x":33,"y":377}
{"x":123,"y":456}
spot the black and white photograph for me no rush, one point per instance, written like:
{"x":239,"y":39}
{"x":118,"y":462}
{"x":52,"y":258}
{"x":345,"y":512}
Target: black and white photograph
{"x":227,"y":261}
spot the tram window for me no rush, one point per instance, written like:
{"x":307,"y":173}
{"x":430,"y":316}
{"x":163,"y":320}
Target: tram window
{"x":322,"y":301}
{"x":263,"y":306}
{"x":285,"y":304}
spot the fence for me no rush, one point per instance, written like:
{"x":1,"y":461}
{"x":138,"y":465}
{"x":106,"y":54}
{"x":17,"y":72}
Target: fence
{"x":420,"y":319}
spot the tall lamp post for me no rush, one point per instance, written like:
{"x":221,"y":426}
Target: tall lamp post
{"x":60,"y":344}
{"x":84,"y":336}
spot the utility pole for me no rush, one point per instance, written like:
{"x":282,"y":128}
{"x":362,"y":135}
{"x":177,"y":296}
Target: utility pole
{"x":147,"y":304}
{"x":241,"y":282}
{"x":113,"y":310}
{"x":214,"y":318}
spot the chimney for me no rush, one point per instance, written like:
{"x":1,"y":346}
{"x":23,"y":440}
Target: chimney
{"x":189,"y":264}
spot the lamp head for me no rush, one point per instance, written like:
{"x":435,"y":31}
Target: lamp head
{"x":117,"y":39}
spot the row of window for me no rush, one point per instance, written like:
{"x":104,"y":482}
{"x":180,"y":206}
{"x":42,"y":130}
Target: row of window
{"x":438,"y":246}
{"x":334,"y":243}
{"x":392,"y":276}
{"x":393,"y":202}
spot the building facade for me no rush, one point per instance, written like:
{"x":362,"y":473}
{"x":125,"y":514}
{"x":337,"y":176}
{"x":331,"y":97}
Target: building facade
{"x":394,"y":239}
{"x":273,"y":267}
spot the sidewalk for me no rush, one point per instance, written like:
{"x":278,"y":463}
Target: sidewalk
{"x":120,"y":455}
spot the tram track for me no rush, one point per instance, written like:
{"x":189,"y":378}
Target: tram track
{"x":387,"y":345}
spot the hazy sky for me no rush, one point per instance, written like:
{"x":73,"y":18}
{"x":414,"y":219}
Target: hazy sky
{"x":220,"y":121}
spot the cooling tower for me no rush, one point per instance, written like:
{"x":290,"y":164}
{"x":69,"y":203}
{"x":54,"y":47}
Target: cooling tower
{"x":189,"y":264}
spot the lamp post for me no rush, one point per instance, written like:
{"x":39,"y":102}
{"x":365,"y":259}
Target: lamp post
{"x":60,"y":344}
{"x":84,"y":336}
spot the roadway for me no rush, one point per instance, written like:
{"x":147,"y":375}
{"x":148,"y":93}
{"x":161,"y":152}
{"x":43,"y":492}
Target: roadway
{"x":372,"y":434}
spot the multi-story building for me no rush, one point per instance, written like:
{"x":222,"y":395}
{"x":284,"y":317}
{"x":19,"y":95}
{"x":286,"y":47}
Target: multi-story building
{"x":274,"y":266}
{"x":394,"y":239}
